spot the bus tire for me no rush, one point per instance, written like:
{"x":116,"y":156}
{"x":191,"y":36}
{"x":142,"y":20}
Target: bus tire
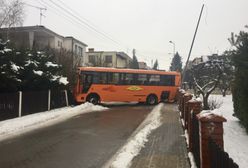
{"x":152,"y":100}
{"x":93,"y":98}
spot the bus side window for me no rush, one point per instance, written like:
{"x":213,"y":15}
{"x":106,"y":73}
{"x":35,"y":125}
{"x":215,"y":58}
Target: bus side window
{"x":167,"y":80}
{"x":122,"y":77}
{"x":129,"y":79}
{"x":135,"y":79}
{"x":113,"y":78}
{"x":102,"y":78}
{"x":148,"y":77}
{"x":142,"y":79}
{"x":95,"y":77}
{"x":154,"y":80}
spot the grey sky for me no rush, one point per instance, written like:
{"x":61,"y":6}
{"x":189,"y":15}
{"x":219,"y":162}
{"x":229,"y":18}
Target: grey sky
{"x":148,"y":25}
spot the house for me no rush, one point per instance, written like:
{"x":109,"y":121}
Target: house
{"x":107,"y":59}
{"x":143,"y":65}
{"x":40,"y":38}
{"x":205,"y":58}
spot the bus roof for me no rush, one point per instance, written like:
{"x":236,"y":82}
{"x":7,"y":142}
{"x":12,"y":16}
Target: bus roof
{"x":106,"y":69}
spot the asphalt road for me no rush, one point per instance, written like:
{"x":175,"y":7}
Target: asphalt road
{"x":85,"y":141}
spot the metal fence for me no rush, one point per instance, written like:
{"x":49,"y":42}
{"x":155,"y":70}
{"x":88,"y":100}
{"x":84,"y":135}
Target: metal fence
{"x":33,"y":102}
{"x":58,"y":99}
{"x":195,"y":140}
{"x":218,"y":157}
{"x":9,"y":105}
{"x":23,"y":103}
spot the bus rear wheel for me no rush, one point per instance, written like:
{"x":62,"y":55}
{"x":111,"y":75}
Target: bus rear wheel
{"x":94,"y":99}
{"x":152,"y":100}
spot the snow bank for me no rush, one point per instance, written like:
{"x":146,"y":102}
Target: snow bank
{"x":124,"y":156}
{"x":16,"y":126}
{"x":235,"y":136}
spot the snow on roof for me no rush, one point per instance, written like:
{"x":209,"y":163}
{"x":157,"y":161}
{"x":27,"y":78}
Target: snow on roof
{"x":205,"y":58}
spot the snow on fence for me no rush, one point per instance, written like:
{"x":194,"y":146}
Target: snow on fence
{"x":202,"y":126}
{"x":23,"y":103}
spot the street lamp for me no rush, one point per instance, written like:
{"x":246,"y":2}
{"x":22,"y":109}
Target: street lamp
{"x":174,"y":46}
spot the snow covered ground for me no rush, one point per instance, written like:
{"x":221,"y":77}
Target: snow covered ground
{"x":235,"y":136}
{"x":17,"y":126}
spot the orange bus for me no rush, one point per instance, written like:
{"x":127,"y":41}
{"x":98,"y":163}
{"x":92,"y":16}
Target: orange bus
{"x":99,"y":84}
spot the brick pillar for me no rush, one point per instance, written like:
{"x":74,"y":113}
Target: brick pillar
{"x":194,"y":106}
{"x":210,"y":125}
{"x":187,"y":97}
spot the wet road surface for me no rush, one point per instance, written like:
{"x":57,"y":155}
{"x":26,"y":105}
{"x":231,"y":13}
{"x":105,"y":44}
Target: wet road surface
{"x":166,"y":146}
{"x":85,"y":141}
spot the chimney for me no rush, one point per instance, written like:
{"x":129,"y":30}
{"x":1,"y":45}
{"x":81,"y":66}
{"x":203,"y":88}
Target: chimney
{"x":91,"y":49}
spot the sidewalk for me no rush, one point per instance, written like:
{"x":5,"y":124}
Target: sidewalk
{"x":166,"y":146}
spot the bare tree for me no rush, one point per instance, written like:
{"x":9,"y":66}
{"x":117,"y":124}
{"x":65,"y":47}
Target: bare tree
{"x":206,"y":77}
{"x":11,"y":13}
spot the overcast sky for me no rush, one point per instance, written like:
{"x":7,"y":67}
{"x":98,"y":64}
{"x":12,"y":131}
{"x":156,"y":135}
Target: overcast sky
{"x":146,"y":25}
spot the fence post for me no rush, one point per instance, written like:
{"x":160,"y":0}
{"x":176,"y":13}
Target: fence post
{"x":49,"y":100}
{"x":186,"y":98}
{"x":210,"y":125}
{"x":194,"y":107}
{"x":20,"y":104}
{"x":66,"y":98}
{"x":181,"y":103}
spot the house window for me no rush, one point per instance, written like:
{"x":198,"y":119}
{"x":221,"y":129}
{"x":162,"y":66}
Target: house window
{"x":76,"y":49}
{"x":108,"y":58}
{"x":80,"y":51}
{"x":59,"y":44}
{"x":92,"y":59}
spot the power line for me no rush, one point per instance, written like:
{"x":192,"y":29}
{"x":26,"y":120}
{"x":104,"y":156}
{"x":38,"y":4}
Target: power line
{"x":85,"y":23}
{"x":72,"y":20}
{"x":37,"y":7}
{"x":88,"y":21}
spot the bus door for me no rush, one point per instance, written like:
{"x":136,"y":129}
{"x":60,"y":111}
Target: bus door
{"x":87,"y":79}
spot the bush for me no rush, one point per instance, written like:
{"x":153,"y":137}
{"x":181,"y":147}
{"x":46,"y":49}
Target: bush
{"x":239,"y":88}
{"x":214,"y":103}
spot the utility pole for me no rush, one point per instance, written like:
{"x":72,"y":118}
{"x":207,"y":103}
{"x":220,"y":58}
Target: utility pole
{"x":192,"y":45}
{"x":174,"y":46}
{"x":41,"y":14}
{"x":39,"y":8}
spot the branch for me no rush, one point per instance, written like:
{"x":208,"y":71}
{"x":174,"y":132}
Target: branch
{"x":197,"y":85}
{"x":214,"y":86}
{"x":209,"y":83}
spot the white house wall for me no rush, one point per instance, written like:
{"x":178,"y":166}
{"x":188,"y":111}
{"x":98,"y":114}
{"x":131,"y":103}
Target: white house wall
{"x":121,"y":63}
